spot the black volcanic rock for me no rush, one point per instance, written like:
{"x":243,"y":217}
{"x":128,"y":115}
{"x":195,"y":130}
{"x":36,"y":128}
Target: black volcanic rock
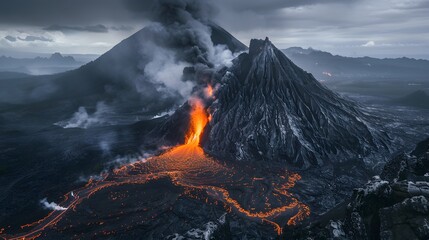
{"x":394,"y":205}
{"x":269,"y":109}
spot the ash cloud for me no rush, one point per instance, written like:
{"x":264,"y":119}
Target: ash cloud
{"x":173,"y":11}
{"x":178,"y":39}
{"x":182,"y":41}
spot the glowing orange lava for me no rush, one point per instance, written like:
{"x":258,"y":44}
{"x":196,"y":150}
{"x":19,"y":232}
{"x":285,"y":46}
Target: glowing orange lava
{"x":209,"y":91}
{"x":198,"y":120}
{"x":189,"y":167}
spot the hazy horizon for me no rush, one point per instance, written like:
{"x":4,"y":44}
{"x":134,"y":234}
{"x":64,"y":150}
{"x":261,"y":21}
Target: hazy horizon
{"x":92,"y":56}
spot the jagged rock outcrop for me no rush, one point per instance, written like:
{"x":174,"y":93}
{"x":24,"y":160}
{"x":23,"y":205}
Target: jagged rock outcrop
{"x":269,"y":109}
{"x":394,"y":205}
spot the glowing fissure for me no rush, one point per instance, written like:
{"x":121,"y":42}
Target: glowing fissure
{"x":187,"y":166}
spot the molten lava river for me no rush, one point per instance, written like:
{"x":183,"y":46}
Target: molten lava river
{"x":262,"y":199}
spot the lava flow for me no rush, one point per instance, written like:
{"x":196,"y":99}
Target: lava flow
{"x":263,"y":199}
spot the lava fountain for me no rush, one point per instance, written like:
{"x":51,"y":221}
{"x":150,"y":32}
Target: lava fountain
{"x":198,"y":120}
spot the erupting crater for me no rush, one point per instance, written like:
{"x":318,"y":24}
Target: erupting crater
{"x":264,"y":199}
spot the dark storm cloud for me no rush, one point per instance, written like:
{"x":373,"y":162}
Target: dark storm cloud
{"x":10,"y":38}
{"x":272,"y":5}
{"x":61,"y":12}
{"x":99,"y":28}
{"x":35,"y":38}
{"x":84,"y":12}
{"x":45,"y":12}
{"x":122,"y":28}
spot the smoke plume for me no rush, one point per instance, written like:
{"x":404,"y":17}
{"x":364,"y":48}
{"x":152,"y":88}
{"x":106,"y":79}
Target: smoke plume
{"x":181,"y":40}
{"x":51,"y":205}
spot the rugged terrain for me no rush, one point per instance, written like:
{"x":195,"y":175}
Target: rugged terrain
{"x":393,"y":205}
{"x":269,"y":109}
{"x":257,"y":147}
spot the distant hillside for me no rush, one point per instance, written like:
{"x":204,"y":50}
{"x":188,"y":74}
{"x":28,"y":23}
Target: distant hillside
{"x":39,"y":65}
{"x":12,"y":75}
{"x":328,"y":67}
{"x":416,"y":99}
{"x":387,"y":78}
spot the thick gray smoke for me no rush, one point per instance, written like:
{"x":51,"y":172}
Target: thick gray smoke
{"x":173,"y":11}
{"x":181,"y":39}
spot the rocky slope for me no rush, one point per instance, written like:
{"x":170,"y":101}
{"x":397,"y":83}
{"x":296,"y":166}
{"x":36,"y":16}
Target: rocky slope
{"x":394,"y":205}
{"x":269,"y":109}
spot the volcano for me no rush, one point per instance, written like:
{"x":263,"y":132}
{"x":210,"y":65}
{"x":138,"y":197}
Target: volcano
{"x":268,"y":109}
{"x":238,"y":148}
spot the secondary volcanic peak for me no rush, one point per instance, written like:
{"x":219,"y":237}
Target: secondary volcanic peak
{"x":271,"y":110}
{"x":261,"y":199}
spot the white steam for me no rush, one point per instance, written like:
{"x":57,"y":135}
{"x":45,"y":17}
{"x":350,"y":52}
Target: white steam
{"x":223,"y":56}
{"x":83,"y":119}
{"x":51,"y":205}
{"x":165,"y":70}
{"x":218,"y":55}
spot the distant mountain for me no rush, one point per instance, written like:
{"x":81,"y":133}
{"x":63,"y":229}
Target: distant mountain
{"x":269,"y":109}
{"x":39,"y":65}
{"x":380,"y":78}
{"x":116,"y":78}
{"x":328,"y":67}
{"x":416,"y":99}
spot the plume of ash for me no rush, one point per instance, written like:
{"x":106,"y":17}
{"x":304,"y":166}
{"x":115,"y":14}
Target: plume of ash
{"x":51,"y":205}
{"x":83,"y":119}
{"x":181,"y":39}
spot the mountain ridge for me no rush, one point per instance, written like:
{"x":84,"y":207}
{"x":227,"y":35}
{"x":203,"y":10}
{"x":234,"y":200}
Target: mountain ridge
{"x":268,"y":108}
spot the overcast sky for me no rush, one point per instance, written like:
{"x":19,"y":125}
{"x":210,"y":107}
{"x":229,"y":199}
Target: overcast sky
{"x":379,"y":28}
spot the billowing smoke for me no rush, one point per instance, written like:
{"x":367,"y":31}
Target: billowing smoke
{"x":181,"y":40}
{"x":51,"y":205}
{"x":171,"y":11}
